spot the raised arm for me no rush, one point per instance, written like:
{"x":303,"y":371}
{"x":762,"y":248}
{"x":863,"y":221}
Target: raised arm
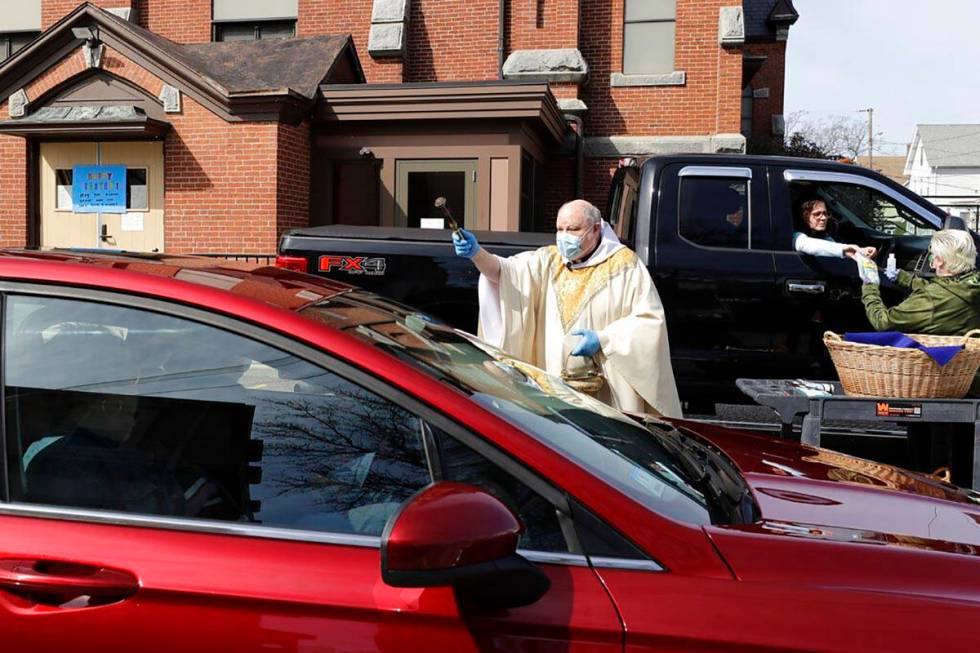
{"x":466,"y":246}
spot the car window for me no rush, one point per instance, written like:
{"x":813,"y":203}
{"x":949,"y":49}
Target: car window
{"x":123,"y":409}
{"x":714,"y":211}
{"x":858,"y":211}
{"x":542,"y":530}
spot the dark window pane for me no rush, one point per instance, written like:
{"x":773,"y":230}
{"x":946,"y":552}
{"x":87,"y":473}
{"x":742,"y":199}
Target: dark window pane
{"x":277,"y":30}
{"x":542,"y":530}
{"x":252,"y":30}
{"x":425,"y":187}
{"x":18,"y":41}
{"x":714,"y":212}
{"x":235,"y":32}
{"x":121,"y":409}
{"x":63,"y":182}
{"x":136,"y":189}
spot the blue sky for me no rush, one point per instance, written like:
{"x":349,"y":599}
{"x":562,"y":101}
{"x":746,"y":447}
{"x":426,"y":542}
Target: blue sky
{"x":913,"y":61}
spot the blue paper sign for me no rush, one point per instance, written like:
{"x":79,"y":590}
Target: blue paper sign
{"x":98,"y":189}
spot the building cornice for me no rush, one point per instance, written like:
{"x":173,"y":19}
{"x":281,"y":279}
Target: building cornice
{"x":442,"y":102}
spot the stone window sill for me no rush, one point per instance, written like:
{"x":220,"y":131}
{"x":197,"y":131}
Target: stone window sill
{"x":676,"y":78}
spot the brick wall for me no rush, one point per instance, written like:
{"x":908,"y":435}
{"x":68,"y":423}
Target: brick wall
{"x":54,"y":10}
{"x":221,"y":184}
{"x":598,"y":174}
{"x":452,"y":41}
{"x":772,"y":76}
{"x":13,"y":190}
{"x":183,"y":21}
{"x":352,"y":17}
{"x":229,"y":187}
{"x":534,"y":24}
{"x":293,"y":173}
{"x":707,"y":103}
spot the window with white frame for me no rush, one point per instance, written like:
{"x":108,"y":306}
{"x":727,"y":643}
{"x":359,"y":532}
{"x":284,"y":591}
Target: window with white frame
{"x":253,"y":20}
{"x":648,"y":37}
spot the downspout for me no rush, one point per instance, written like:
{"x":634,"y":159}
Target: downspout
{"x":579,"y":152}
{"x":501,"y":8}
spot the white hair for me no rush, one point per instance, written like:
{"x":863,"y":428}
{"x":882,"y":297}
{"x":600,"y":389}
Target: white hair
{"x":587,"y":209}
{"x":956,"y":248}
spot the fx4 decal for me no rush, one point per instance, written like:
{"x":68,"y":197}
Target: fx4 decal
{"x":353,"y":265}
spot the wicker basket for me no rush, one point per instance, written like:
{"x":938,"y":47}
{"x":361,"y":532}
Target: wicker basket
{"x":876,"y":371}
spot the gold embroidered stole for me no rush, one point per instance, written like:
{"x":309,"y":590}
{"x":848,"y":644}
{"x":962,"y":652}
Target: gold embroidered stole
{"x":574,"y":289}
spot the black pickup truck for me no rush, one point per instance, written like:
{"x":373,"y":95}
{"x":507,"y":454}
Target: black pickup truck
{"x":716,"y":232}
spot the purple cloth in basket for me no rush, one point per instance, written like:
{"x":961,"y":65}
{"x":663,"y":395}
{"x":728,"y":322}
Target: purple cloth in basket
{"x":941,"y":355}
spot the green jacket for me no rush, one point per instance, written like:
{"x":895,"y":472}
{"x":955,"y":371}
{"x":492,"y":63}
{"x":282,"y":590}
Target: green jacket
{"x":944,"y":306}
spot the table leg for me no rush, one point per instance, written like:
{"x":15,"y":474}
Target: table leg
{"x":976,"y":455}
{"x":810,"y":432}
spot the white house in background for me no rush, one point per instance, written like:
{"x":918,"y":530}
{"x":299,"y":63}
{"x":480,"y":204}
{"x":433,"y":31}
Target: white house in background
{"x":943,"y":164}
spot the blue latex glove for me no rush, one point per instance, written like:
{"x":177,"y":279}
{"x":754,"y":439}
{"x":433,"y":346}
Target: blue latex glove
{"x":465,"y":244}
{"x":588,"y":345}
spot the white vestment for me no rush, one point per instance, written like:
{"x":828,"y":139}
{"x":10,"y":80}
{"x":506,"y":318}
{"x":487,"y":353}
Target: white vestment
{"x":539,"y":300}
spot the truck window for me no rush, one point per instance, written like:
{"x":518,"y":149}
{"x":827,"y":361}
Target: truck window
{"x":621,"y":212}
{"x":859,"y":212}
{"x":714,"y":211}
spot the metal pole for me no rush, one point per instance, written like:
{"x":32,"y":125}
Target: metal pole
{"x":871,"y":139}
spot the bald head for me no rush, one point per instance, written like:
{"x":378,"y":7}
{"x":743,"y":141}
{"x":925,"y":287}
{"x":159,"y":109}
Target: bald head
{"x":583,"y":220}
{"x":581,"y":210}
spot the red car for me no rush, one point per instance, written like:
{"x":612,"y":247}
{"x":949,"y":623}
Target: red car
{"x":200,"y":458}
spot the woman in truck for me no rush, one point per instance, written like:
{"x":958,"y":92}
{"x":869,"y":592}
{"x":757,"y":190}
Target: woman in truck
{"x":812,"y":236}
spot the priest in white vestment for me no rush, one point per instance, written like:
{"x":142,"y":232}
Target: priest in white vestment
{"x":587,"y":295}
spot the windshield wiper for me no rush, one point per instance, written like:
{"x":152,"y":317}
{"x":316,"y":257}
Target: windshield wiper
{"x":728,"y":496}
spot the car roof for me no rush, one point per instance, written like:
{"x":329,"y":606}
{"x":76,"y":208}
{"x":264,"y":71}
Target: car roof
{"x":284,"y":289}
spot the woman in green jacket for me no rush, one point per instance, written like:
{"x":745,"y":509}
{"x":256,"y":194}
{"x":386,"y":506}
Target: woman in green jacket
{"x":948,"y":305}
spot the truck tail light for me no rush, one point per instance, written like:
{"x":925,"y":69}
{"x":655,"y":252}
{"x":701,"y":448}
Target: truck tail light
{"x":294,"y":263}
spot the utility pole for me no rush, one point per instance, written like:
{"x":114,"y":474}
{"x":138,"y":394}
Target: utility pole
{"x":871,"y":136}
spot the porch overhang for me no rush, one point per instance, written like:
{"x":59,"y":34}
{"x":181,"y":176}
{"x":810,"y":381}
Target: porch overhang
{"x":443,"y":103}
{"x":86,"y":123}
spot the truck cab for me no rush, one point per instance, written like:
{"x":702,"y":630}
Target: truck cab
{"x":716,"y":232}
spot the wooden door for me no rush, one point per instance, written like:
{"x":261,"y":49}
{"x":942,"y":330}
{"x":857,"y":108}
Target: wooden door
{"x":140,"y":229}
{"x":60,"y":226}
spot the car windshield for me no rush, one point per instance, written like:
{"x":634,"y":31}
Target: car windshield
{"x":646,"y":463}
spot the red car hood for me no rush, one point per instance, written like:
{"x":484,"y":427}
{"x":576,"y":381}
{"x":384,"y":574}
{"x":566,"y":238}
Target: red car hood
{"x":812,"y":493}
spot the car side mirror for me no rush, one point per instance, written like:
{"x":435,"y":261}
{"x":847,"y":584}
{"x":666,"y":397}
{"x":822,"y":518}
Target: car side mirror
{"x":459,"y":535}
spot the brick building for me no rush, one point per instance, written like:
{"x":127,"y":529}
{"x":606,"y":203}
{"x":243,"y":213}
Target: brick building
{"x":232,"y":120}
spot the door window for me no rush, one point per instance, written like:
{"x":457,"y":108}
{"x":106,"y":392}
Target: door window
{"x":137,"y":195}
{"x":420,"y":183}
{"x":714,"y":211}
{"x":857,"y":208}
{"x":137,"y":189}
{"x":123,"y":409}
{"x":63,"y":182}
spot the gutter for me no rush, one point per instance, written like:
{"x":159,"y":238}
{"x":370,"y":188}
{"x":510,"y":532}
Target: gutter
{"x":501,"y":9}
{"x":579,"y":152}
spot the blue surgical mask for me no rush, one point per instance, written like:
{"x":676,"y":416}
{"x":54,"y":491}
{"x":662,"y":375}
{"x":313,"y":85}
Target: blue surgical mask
{"x":569,"y":245}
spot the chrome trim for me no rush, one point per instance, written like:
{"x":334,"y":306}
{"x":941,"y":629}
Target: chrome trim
{"x":847,"y":178}
{"x":715,"y":171}
{"x":625,"y":563}
{"x":554,"y":558}
{"x":806,"y":288}
{"x":193,"y":525}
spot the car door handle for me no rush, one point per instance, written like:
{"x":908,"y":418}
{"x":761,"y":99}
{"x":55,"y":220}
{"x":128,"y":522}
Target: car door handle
{"x":57,"y":582}
{"x":807,"y":288}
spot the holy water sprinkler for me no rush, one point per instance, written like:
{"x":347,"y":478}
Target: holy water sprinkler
{"x":440,"y":203}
